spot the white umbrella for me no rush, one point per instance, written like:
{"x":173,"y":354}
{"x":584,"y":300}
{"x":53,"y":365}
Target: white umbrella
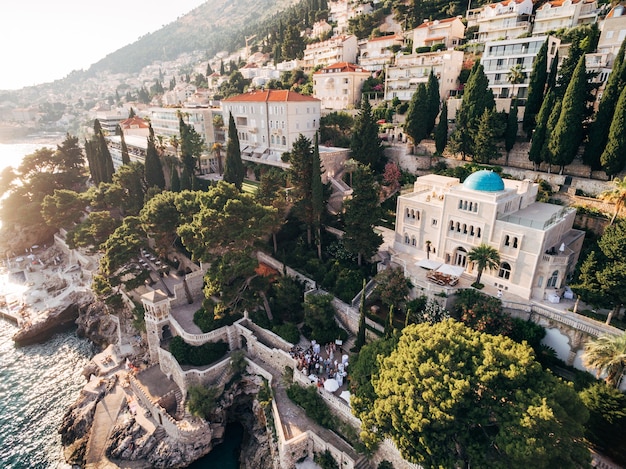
{"x":31,"y":257}
{"x":331,"y":385}
{"x":19,"y":259}
{"x":345,"y":395}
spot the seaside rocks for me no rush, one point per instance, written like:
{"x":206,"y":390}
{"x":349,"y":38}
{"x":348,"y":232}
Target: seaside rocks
{"x":96,"y":324}
{"x":53,"y":320}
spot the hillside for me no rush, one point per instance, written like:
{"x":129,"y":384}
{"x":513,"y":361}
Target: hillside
{"x":216,"y":25}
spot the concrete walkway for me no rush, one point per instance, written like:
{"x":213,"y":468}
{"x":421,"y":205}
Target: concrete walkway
{"x":104,"y":419}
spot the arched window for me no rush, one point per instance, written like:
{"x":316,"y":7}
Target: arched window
{"x":505,"y":271}
{"x":458,"y":227}
{"x":417,"y":215}
{"x":506,"y":240}
{"x":407,"y":213}
{"x":472,"y":230}
{"x":476,"y":207}
{"x":413,"y":241}
{"x":470,"y":206}
{"x":407,"y":240}
{"x":412,"y":213}
{"x":460,"y":204}
{"x":284,"y":140}
{"x":465,"y":205}
{"x":272,"y":139}
{"x":464,"y":228}
{"x":553,"y":279}
{"x":515,"y":243}
{"x":478,"y":232}
{"x":451,"y":226}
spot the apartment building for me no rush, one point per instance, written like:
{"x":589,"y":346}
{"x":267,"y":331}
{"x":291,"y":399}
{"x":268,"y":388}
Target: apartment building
{"x":450,"y":32}
{"x":377,"y":52}
{"x":403,"y":78}
{"x":504,"y":20}
{"x":558,"y":14}
{"x":336,"y":49}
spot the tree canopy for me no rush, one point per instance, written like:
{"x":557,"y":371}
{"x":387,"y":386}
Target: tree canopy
{"x":452,"y":397}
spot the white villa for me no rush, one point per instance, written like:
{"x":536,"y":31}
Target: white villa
{"x":504,"y":20}
{"x":449,"y":32}
{"x":339,"y":86}
{"x":442,"y":220}
{"x":558,"y":14}
{"x":377,"y":52}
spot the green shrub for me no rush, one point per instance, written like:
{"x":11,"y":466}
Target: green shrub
{"x":312,"y":403}
{"x":201,"y":355}
{"x":211,"y":317}
{"x":325,"y":460}
{"x":201,"y":401}
{"x":288,"y":331}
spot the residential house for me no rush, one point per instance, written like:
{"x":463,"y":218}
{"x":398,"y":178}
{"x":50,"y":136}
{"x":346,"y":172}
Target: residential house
{"x":341,"y":11}
{"x":442,"y":220}
{"x":339,"y":86}
{"x":504,"y":20}
{"x":450,"y":32}
{"x":559,"y":14}
{"x":135,"y":126}
{"x":403,"y":78}
{"x":336,"y":49}
{"x":613,"y":30}
{"x":321,"y":29}
{"x":377,"y":52}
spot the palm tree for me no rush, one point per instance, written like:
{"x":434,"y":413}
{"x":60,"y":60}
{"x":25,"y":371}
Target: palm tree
{"x":607,"y":354}
{"x":617,"y":195}
{"x":216,"y":149}
{"x":175,"y":142}
{"x":485,"y":257}
{"x":515,"y":76}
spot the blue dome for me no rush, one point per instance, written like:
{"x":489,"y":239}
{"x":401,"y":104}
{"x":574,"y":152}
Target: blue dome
{"x":484,"y":180}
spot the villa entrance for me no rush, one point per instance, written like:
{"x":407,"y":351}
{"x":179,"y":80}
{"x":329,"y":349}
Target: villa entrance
{"x":460,"y":257}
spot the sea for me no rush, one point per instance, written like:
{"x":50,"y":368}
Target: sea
{"x":39,"y":382}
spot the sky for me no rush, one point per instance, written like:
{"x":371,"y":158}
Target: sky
{"x":44,"y":40}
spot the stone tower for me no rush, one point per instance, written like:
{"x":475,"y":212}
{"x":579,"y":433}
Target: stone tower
{"x":157,"y":312}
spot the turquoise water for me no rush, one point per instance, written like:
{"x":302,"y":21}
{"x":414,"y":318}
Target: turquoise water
{"x":226,"y":455}
{"x":37,"y":384}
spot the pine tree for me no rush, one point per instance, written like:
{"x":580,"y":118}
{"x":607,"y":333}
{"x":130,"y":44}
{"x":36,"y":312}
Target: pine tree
{"x":433,"y":98}
{"x":613,"y":157}
{"x":536,"y":88}
{"x":418,"y":115}
{"x":511,"y":128}
{"x":365,"y":144}
{"x":599,"y":130}
{"x":568,"y":132}
{"x":234,"y":170}
{"x":441,"y":132}
{"x":362,"y":214}
{"x":539,"y":134}
{"x":174,"y":179}
{"x":317,"y":195}
{"x":125,"y":155}
{"x":152,"y":166}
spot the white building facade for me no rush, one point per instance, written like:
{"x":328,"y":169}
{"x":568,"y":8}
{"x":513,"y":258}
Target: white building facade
{"x":269,"y":122}
{"x":443,"y":220}
{"x":504,"y":20}
{"x":449,"y":32}
{"x":336,"y":49}
{"x":402,"y":79}
{"x":559,"y":14}
{"x":339,"y":86}
{"x":377,"y":52}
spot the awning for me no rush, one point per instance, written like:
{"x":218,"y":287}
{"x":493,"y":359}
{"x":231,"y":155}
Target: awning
{"x":429,"y":264}
{"x":258,"y":151}
{"x":453,"y":270}
{"x":247,"y":150}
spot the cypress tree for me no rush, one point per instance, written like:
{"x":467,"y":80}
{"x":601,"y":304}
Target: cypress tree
{"x":511,"y":128}
{"x":131,"y":113}
{"x":360,"y":335}
{"x":152,"y":167}
{"x":209,"y":70}
{"x":536,"y":88}
{"x":102,"y":154}
{"x":546,"y":153}
{"x":317,"y":195}
{"x":234,"y":170}
{"x":418,"y":115}
{"x":365,"y":144}
{"x":432,"y":91}
{"x":486,"y":146}
{"x":174,"y":179}
{"x":554,"y":71}
{"x":568,"y":132}
{"x":613,"y":157}
{"x":539,"y":134}
{"x":185,"y":180}
{"x":599,"y":131}
{"x":476,"y":98}
{"x":125,"y":155}
{"x":441,"y":132}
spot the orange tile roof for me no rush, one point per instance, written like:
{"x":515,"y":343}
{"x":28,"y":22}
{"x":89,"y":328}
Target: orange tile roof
{"x":382,"y":38}
{"x":427,"y":24}
{"x":343,"y":66}
{"x":259,"y":96}
{"x":134,"y":121}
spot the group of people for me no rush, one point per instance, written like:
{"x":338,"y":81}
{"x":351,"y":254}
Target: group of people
{"x":312,"y":363}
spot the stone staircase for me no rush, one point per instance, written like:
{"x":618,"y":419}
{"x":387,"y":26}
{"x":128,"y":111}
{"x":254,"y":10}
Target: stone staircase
{"x":180,"y":404}
{"x":362,"y":463}
{"x":159,"y":434}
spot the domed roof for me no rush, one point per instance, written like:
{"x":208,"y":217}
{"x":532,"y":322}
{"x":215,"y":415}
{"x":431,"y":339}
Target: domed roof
{"x":484,"y":180}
